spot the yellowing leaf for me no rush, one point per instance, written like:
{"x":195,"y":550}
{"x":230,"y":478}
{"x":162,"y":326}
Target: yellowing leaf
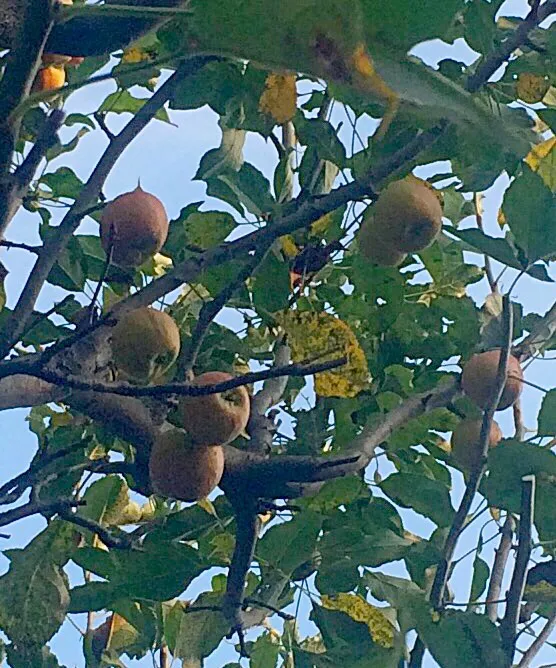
{"x":207,"y":505}
{"x":380,"y":628}
{"x":531,"y":88}
{"x":542,"y":159}
{"x":320,"y":226}
{"x":134,"y":55}
{"x":501,"y":218}
{"x":289,"y":247}
{"x":279,"y":98}
{"x":322,"y":336}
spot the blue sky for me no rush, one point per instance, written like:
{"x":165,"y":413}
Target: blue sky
{"x":165,"y":158}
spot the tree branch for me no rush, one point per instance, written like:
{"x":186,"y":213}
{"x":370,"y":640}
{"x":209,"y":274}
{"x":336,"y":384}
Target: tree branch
{"x":123,"y":542}
{"x":186,"y":388}
{"x":444,"y":567}
{"x":490,"y":64}
{"x":16,"y":324}
{"x":23,"y":62}
{"x":498,"y":568}
{"x":508,"y":626}
{"x":34,"y":507}
{"x":247,"y":531}
{"x":539,"y":641}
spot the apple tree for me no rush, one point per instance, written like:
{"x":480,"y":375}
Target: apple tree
{"x":243,"y":414}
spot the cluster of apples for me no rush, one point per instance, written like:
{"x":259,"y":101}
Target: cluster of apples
{"x":478,"y":381}
{"x":186,"y":462}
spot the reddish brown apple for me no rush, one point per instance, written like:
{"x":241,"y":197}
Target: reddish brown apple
{"x":181,"y":469}
{"x":215,"y":418}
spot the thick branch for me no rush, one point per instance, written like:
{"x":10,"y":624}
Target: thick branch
{"x":508,"y":627}
{"x":489,"y":66}
{"x":35,"y":507}
{"x":247,"y":531}
{"x":18,"y":321}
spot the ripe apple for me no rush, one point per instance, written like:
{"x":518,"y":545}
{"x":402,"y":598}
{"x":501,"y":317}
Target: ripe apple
{"x":145,"y":343}
{"x":465,"y":441}
{"x":215,"y":418}
{"x":135,"y":225}
{"x":479,"y":379}
{"x":181,"y":469}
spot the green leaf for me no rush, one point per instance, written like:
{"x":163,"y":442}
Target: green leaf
{"x":194,"y":635}
{"x":122,"y":102}
{"x":34,"y":595}
{"x":430,"y":498}
{"x":206,"y":229}
{"x":481,"y":573}
{"x":508,"y":462}
{"x":215,"y":84}
{"x":547,"y":415}
{"x":462,"y":634}
{"x":264,"y":652}
{"x":251,"y":188}
{"x":286,"y":546}
{"x":64,"y":183}
{"x":105,"y":499}
{"x":530,"y":210}
{"x":499,"y":249}
{"x":321,"y":136}
{"x":271,"y":288}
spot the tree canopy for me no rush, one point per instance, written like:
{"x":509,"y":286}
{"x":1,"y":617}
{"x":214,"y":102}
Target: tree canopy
{"x":353,"y":273}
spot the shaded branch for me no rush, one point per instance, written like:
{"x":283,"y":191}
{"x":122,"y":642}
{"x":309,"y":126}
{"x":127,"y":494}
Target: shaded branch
{"x":508,"y":626}
{"x":498,"y":568}
{"x":492,"y":62}
{"x":17,"y":323}
{"x":247,"y":531}
{"x":261,"y":427}
{"x":122,"y":542}
{"x":22,"y":64}
{"x":186,"y":388}
{"x":35,"y":507}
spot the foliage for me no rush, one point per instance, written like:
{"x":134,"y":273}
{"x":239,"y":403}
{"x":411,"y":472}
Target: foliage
{"x":359,"y":448}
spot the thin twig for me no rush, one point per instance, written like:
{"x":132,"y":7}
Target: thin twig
{"x":489,"y":66}
{"x":499,"y":567}
{"x":478,"y":204}
{"x":539,"y":641}
{"x":211,"y":309}
{"x":25,"y":247}
{"x":508,"y":626}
